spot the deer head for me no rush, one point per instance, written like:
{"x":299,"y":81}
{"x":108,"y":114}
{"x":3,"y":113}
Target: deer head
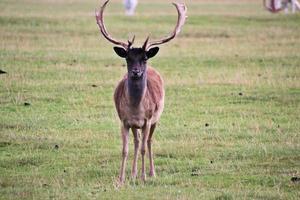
{"x":136,"y":58}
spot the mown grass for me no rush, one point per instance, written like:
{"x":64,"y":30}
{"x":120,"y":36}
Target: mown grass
{"x":230,"y":129}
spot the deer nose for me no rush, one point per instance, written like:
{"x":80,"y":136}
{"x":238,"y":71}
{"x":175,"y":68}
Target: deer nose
{"x":135,"y":71}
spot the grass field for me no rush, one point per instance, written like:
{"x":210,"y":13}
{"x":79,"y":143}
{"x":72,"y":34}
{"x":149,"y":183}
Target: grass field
{"x":231,"y":124}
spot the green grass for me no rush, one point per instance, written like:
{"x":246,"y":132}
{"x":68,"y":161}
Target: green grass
{"x":234,"y":67}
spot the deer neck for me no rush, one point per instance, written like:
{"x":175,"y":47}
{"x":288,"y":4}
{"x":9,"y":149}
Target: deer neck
{"x":136,"y":90}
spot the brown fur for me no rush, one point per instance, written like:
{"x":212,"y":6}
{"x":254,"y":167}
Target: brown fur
{"x":151,"y":105}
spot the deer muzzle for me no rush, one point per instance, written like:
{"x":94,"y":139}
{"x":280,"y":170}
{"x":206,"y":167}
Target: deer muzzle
{"x":136,"y":74}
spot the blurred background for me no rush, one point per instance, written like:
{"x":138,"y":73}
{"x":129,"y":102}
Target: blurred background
{"x":230,"y":128}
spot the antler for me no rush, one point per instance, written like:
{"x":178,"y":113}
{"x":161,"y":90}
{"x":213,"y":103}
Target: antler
{"x":181,"y":9}
{"x":100,"y":22}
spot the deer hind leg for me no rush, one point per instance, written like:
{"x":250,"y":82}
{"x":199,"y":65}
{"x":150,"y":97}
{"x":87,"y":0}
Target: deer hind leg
{"x":124,"y":132}
{"x":149,"y":143}
{"x":145,"y":131}
{"x":136,"y":150}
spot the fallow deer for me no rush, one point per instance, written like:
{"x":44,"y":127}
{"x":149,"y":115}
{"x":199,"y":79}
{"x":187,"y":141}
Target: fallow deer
{"x":275,"y":6}
{"x":139,"y":96}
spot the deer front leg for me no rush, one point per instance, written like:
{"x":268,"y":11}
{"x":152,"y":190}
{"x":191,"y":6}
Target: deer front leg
{"x":145,"y":130}
{"x":124,"y":132}
{"x":152,"y":170}
{"x":136,"y":149}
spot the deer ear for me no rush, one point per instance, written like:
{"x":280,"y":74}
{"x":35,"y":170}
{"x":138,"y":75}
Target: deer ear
{"x":120,"y":51}
{"x":152,"y":52}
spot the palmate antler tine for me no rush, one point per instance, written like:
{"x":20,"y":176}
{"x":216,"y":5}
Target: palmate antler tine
{"x":181,"y":10}
{"x":130,"y":43}
{"x":145,"y":43}
{"x":100,"y":22}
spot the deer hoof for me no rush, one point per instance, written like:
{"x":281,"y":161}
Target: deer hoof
{"x":143,"y":177}
{"x":152,"y":174}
